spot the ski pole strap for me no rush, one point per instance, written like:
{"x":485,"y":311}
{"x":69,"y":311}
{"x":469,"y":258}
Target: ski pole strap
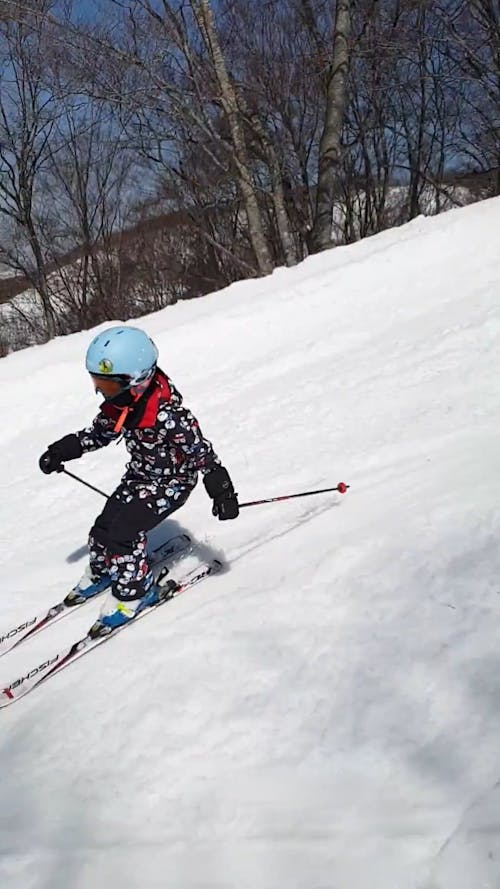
{"x":341,"y":488}
{"x":82,"y":482}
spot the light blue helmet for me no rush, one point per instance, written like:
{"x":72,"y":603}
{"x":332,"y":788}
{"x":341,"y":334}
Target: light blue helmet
{"x":123,"y":353}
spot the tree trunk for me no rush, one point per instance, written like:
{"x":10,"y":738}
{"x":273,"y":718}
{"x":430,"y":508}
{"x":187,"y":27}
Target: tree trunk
{"x":39,"y":278}
{"x":278,"y":192}
{"x":329,"y":146}
{"x":203,"y":13}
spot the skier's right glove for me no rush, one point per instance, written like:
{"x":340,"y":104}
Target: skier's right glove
{"x":220,"y":488}
{"x":67,"y":448}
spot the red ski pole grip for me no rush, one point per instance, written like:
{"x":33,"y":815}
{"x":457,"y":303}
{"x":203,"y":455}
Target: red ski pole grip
{"x":342,"y":488}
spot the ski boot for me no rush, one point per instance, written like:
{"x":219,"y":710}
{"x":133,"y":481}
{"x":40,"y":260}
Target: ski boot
{"x":87,"y":587}
{"x":116,"y":613}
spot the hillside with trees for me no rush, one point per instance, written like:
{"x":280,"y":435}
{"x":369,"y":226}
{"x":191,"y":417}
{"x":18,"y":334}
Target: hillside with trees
{"x":152,"y":151}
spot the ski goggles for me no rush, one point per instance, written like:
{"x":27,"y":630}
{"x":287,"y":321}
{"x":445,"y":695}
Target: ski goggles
{"x":109,"y":387}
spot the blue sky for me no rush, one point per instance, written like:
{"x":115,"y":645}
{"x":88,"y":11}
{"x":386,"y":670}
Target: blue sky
{"x":87,"y":8}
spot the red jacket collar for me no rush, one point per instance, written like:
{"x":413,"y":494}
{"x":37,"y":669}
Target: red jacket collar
{"x":157,"y":393}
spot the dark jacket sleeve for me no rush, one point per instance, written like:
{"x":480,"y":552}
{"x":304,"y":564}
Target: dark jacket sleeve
{"x":100,"y":434}
{"x":183,"y":431}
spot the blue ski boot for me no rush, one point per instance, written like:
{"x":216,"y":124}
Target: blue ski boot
{"x":115,"y":613}
{"x":87,"y":587}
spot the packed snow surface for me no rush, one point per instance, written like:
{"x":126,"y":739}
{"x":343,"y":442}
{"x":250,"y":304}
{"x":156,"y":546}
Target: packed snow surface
{"x":326,"y":714}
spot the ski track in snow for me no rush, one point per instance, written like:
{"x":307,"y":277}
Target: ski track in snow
{"x":325,"y":714}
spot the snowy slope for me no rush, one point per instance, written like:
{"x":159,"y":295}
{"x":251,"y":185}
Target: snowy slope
{"x":326,"y":715}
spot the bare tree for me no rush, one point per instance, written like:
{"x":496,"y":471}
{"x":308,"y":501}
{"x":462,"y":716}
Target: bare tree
{"x":473,"y":31}
{"x":229,"y":102}
{"x":90,"y":177}
{"x":329,"y":160}
{"x":28,"y":112}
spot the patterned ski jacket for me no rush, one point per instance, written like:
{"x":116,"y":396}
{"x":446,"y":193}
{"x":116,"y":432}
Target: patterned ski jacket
{"x":163,"y":438}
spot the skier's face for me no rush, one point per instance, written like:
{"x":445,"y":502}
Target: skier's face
{"x":108,"y":387}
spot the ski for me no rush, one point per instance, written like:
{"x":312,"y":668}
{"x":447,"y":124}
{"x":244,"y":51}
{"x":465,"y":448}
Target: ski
{"x":34,"y":677}
{"x":12,"y":638}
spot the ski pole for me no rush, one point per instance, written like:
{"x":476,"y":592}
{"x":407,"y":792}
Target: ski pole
{"x":82,"y":482}
{"x":341,"y":488}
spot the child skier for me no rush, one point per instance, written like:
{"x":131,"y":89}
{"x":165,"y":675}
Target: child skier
{"x":167,"y":450}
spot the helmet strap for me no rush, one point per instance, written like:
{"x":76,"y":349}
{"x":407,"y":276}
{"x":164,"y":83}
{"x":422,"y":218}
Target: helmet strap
{"x":136,"y":392}
{"x":121,"y":419}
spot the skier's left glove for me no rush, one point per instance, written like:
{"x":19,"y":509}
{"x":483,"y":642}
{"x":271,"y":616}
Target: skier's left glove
{"x":220,"y":488}
{"x":67,"y":448}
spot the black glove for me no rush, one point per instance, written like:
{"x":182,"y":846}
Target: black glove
{"x":220,"y":488}
{"x":67,"y":448}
